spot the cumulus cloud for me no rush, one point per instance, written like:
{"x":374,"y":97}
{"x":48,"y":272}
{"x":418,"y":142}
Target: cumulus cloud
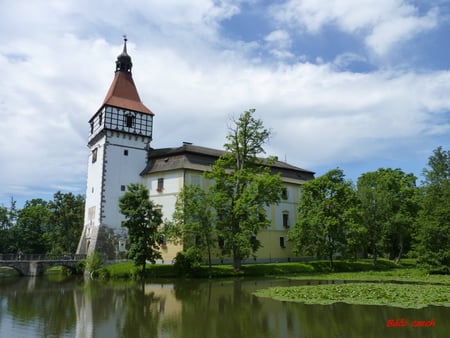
{"x":57,"y":64}
{"x":381,"y":23}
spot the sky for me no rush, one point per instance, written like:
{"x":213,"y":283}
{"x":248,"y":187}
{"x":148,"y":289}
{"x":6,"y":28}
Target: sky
{"x":350,"y":84}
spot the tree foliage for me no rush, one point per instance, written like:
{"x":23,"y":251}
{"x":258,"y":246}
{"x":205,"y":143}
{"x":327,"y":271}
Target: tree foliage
{"x":194,"y":219}
{"x":389,"y":207}
{"x":433,"y":223}
{"x":66,"y":222}
{"x":243,"y":186}
{"x":327,"y":217}
{"x":142,"y":220}
{"x":43,"y":226}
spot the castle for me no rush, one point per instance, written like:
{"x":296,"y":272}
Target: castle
{"x":120,"y":153}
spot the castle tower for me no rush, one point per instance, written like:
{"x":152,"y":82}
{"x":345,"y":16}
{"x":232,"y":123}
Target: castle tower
{"x":119,"y":139}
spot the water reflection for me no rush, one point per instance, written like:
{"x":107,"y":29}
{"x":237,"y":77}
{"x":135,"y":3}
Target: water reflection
{"x":70,"y":308}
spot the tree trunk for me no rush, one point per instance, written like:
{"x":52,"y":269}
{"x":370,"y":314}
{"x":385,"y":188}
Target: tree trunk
{"x":237,"y":261}
{"x":374,"y":251}
{"x":143,"y":268}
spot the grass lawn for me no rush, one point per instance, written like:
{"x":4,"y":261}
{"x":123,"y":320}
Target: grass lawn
{"x":310,"y":268}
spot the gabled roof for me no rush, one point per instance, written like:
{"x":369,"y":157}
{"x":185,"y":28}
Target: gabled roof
{"x":194,"y":157}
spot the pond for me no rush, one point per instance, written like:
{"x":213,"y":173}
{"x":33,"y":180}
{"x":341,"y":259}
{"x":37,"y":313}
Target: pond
{"x":39,"y":307}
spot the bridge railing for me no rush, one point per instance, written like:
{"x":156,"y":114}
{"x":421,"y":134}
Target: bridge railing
{"x":41,"y":257}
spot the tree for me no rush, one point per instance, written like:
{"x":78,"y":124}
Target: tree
{"x":389,"y":207}
{"x":65,"y":223}
{"x":142,"y":220}
{"x":8,"y":219}
{"x":327,"y":214}
{"x":433,"y":224}
{"x":243,"y":186}
{"x":31,"y":227}
{"x":194,"y":219}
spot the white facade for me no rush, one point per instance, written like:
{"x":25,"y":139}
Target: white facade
{"x":119,"y":139}
{"x":120,"y":154}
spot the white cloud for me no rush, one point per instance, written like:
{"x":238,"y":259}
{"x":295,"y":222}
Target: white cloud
{"x":58,"y":63}
{"x":381,"y":23}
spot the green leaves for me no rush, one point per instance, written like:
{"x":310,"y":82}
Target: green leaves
{"x":433,"y":224}
{"x":389,"y":206}
{"x":326,"y":212}
{"x":142,"y":220}
{"x":242,"y":187}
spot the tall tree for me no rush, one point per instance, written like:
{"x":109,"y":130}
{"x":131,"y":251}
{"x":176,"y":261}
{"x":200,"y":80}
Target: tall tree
{"x":327,"y":213}
{"x":243,"y":186}
{"x":433,"y":225}
{"x":142,"y":220}
{"x":31,"y":227}
{"x":66,"y":222}
{"x":389,"y":207}
{"x":8,"y":218}
{"x":194,"y":219}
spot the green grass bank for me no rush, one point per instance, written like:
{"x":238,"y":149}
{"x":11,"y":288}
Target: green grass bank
{"x":309,"y":268}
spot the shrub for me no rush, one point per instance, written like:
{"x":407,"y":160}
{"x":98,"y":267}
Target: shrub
{"x":188,"y":262}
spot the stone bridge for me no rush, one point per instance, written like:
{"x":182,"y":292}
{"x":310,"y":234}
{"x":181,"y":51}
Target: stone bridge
{"x":35,"y":264}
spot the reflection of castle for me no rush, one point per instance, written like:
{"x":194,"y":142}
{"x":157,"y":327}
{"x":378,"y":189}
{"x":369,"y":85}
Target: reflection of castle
{"x":119,"y":141}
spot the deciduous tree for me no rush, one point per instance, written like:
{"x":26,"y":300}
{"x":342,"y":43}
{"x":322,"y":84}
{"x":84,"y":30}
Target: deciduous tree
{"x":66,"y":222}
{"x":142,"y":220}
{"x":433,"y":225}
{"x":195,"y":219}
{"x":327,"y":215}
{"x":389,"y":207}
{"x":243,"y":186}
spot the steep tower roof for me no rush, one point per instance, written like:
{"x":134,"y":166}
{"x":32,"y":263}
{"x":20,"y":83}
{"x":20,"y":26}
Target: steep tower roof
{"x":123,"y":93}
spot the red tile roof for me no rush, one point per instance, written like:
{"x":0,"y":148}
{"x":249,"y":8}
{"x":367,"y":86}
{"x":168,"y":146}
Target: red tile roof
{"x":123,"y":94}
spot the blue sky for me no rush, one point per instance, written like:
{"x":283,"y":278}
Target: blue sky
{"x":354,"y":84}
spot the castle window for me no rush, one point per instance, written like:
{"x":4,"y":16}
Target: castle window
{"x":94,"y":155}
{"x":129,"y":119}
{"x":125,"y":152}
{"x":160,"y":186}
{"x":286,"y":219}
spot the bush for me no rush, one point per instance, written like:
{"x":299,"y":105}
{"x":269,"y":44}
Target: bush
{"x":94,"y":262}
{"x":188,"y":262}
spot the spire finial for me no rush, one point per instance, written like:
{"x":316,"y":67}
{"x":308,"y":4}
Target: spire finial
{"x":123,"y":63}
{"x":125,"y":43}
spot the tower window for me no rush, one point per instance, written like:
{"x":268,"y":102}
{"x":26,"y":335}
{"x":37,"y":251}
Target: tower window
{"x":92,"y":127}
{"x":100,"y":119}
{"x":129,"y":119}
{"x":125,"y":152}
{"x":160,"y":186}
{"x":94,"y":155}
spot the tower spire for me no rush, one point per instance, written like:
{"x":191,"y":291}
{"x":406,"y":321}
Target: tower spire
{"x":123,"y":63}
